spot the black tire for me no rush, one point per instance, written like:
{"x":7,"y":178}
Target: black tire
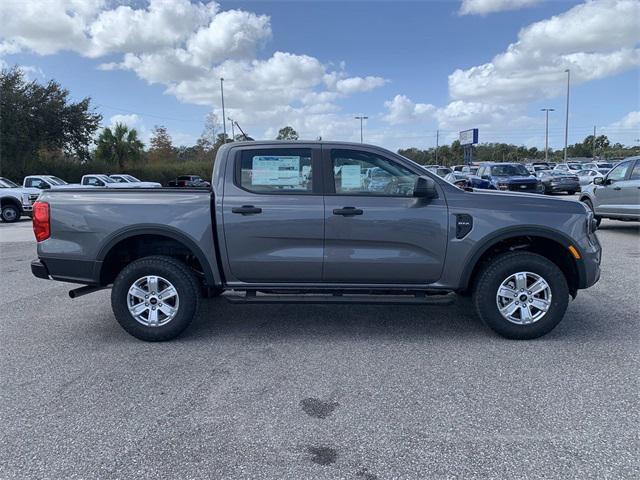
{"x":499,"y":269}
{"x":545,"y":190}
{"x":171,"y":269}
{"x":10,"y":213}
{"x":588,"y":203}
{"x":571,"y":192}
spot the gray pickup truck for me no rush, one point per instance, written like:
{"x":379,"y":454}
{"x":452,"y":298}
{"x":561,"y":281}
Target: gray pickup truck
{"x":302,"y":222}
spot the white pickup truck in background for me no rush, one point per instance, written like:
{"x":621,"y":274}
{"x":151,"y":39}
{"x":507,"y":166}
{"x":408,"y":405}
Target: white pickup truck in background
{"x":122,"y":181}
{"x":15,"y":200}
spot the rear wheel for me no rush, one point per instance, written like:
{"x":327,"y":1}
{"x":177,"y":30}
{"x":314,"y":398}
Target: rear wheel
{"x":155,"y":298}
{"x":521,"y":295}
{"x":10,"y":213}
{"x":571,"y":192}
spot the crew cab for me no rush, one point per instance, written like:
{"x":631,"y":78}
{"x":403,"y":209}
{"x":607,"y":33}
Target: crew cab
{"x":15,"y":201}
{"x":45,"y":182}
{"x":296,"y":222}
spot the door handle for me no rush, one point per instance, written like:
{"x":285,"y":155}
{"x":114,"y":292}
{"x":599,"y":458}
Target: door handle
{"x":347,"y":211}
{"x":617,"y":188}
{"x":246,"y":210}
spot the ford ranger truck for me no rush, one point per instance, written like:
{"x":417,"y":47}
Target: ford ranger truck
{"x":298,"y":222}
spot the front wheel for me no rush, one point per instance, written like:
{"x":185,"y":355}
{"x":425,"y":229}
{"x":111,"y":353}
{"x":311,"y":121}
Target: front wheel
{"x":155,"y":298}
{"x":521,"y":295}
{"x":10,"y":213}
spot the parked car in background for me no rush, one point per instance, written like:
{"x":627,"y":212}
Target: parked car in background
{"x":555,"y":181}
{"x":440,"y":171}
{"x":463,"y":180}
{"x":189,"y":181}
{"x":509,"y":176}
{"x":470,"y":169}
{"x":587,"y":176}
{"x":604,"y":167}
{"x":133,"y":181}
{"x":331,"y":240}
{"x":15,"y":200}
{"x":568,"y":167}
{"x":45,"y":182}
{"x":617,"y":194}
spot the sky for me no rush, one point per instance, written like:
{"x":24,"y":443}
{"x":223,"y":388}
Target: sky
{"x":414,"y":68}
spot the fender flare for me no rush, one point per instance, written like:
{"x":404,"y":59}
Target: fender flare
{"x":511,"y":232}
{"x":13,"y":200}
{"x":211,"y":273}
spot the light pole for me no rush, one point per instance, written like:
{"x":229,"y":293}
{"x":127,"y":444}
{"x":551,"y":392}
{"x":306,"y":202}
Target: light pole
{"x":361,"y":118}
{"x":546,"y":133}
{"x":224,"y":119}
{"x":233,"y":132}
{"x":566,"y":124}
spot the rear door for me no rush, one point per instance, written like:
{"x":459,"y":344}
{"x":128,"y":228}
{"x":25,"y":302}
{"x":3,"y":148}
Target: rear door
{"x":376,"y":232}
{"x":273,"y":215}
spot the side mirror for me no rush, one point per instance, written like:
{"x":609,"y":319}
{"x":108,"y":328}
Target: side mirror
{"x":44,"y":186}
{"x":486,"y":177}
{"x":425,"y":187}
{"x":598,"y":181}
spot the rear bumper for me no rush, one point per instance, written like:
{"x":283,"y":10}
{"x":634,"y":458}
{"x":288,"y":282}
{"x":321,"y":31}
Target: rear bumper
{"x":64,"y":270}
{"x":39,"y":269}
{"x":566,"y":187}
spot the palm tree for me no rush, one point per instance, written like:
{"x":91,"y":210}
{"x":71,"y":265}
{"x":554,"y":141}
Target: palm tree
{"x":119,"y":146}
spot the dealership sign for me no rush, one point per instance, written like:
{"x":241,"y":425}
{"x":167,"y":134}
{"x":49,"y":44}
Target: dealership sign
{"x":469,"y":137}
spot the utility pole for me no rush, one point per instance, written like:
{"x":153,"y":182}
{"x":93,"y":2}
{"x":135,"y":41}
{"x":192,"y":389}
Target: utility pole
{"x":361,"y":118}
{"x":594,"y":142}
{"x":233,"y":132}
{"x":437,"y":144}
{"x":224,"y":119}
{"x":546,"y":133}
{"x":566,"y":124}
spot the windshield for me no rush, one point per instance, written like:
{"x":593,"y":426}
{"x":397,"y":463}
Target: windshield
{"x":509,"y":170}
{"x":605,"y":165}
{"x":56,"y":180}
{"x":574,"y":166}
{"x":6,"y":183}
{"x":106,"y":179}
{"x":131,"y":178}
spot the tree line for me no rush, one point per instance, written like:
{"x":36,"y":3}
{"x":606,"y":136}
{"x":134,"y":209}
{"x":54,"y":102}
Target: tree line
{"x":42,"y":130}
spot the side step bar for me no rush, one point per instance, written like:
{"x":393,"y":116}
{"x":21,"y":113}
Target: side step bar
{"x":444,"y":299}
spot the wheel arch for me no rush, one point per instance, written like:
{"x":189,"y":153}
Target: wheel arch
{"x":11,"y":200}
{"x":552,"y":244}
{"x":173,"y":236}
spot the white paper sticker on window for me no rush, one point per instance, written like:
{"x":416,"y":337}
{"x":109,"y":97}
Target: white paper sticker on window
{"x":276,"y":171}
{"x":350,"y":177}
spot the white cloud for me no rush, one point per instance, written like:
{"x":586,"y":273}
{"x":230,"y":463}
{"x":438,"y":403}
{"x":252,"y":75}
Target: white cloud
{"x":630,"y":121}
{"x":483,"y":7}
{"x":352,"y":85}
{"x":403,"y":110}
{"x":132,"y":120}
{"x":581,"y":39}
{"x":186,"y":47}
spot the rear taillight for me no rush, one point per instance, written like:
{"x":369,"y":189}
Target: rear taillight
{"x":41,"y":225}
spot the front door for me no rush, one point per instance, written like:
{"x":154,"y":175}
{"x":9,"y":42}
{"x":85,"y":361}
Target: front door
{"x":273,"y":214}
{"x":376,"y":232}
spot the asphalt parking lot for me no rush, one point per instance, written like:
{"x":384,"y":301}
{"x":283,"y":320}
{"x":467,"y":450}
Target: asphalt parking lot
{"x":302,"y":392}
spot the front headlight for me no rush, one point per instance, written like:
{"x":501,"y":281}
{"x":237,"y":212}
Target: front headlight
{"x":503,"y":186}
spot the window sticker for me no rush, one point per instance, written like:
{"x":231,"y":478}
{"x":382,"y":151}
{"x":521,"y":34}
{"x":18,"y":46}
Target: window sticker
{"x":350,"y":177}
{"x":276,"y":171}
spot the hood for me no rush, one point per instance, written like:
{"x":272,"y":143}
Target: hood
{"x":532,"y":200}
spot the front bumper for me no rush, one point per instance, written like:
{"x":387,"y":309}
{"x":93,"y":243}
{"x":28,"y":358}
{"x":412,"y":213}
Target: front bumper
{"x":563,"y":187}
